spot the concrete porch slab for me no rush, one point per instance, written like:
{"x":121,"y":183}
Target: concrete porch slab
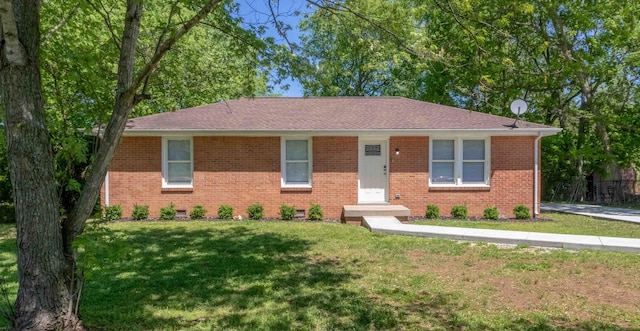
{"x":353,"y":214}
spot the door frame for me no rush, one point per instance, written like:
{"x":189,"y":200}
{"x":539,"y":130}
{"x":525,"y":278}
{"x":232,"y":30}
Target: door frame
{"x":362,"y":140}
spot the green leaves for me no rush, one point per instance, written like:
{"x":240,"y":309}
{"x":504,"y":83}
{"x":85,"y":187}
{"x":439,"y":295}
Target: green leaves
{"x":216,"y":60}
{"x":576,"y":64}
{"x":354,"y":47}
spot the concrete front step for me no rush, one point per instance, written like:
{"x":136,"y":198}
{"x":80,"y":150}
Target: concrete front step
{"x":353,"y":214}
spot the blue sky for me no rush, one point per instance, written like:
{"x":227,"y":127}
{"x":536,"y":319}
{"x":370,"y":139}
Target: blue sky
{"x":257,"y":11}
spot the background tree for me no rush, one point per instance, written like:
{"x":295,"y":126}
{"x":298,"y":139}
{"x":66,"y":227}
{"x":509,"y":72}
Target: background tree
{"x":359,"y":48}
{"x":574,"y":61}
{"x":576,"y":64}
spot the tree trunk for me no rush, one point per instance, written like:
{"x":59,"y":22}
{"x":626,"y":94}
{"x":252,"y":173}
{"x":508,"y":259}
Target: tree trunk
{"x":74,"y":225}
{"x":48,"y":292}
{"x":43,"y":301}
{"x":43,"y":298}
{"x":124,"y":102}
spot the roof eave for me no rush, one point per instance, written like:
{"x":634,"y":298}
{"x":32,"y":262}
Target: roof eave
{"x":544,"y":132}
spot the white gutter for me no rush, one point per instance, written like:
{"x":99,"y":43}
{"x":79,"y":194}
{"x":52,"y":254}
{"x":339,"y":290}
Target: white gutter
{"x":106,"y":189}
{"x":536,"y":177}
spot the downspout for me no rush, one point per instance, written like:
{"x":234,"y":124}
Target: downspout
{"x":536,"y":177}
{"x":106,"y":189}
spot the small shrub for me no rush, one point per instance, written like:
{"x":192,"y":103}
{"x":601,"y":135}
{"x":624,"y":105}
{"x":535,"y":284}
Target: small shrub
{"x":521,"y":212}
{"x":112,"y":213}
{"x":7,"y":213}
{"x":95,"y":213}
{"x":168,"y":213}
{"x":255,"y":211}
{"x":315,"y":212}
{"x":287,"y":213}
{"x":140,"y":212}
{"x":432,"y":211}
{"x":459,"y":212}
{"x":198,"y":212}
{"x":225,"y":212}
{"x":491,"y":213}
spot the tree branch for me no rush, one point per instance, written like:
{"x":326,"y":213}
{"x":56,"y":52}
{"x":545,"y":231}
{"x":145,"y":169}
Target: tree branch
{"x":145,"y":87}
{"x":279,"y":26}
{"x":166,"y":45}
{"x":105,"y":16}
{"x":461,"y":24}
{"x":74,"y":225}
{"x":244,"y":41}
{"x":340,"y":7}
{"x":124,"y":101}
{"x":60,"y":24}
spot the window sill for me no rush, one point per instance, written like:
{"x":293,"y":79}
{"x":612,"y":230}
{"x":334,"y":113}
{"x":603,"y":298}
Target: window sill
{"x":295,"y":189}
{"x":177,"y":189}
{"x":460,"y":188}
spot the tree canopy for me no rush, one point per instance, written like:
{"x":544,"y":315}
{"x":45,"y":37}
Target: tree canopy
{"x":217,"y":60}
{"x":575,"y":63}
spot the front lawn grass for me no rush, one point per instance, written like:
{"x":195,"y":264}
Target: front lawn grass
{"x":550,"y":223}
{"x":276,"y":275}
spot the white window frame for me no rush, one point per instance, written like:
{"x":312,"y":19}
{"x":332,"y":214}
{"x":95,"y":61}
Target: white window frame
{"x":165,"y":162}
{"x":283,"y":162}
{"x":458,"y":162}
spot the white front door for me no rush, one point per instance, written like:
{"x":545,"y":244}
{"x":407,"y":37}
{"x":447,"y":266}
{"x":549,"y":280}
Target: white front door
{"x":373,"y":171}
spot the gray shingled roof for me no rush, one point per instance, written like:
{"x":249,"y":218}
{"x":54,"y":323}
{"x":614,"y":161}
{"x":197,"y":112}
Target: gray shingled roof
{"x":324,"y":114}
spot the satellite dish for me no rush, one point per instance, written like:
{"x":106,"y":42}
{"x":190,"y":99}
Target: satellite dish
{"x":518,"y":107}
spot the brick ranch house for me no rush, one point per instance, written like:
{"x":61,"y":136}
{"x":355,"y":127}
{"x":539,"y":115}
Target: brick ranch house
{"x":333,"y":151}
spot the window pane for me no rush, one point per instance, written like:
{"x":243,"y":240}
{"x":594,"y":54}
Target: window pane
{"x":297,"y":150}
{"x":297,"y":172}
{"x":442,"y":172}
{"x":443,"y":149}
{"x":372,"y":150}
{"x":179,"y":173}
{"x":473,"y":172}
{"x":473,"y":150}
{"x":178,"y":150}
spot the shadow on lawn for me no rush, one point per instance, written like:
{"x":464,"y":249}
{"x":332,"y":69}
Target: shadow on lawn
{"x":239,"y":278}
{"x":242,"y":278}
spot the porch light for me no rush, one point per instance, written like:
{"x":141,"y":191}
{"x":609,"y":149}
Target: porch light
{"x":397,"y":151}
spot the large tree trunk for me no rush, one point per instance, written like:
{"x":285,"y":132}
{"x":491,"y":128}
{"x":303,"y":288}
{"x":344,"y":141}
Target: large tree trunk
{"x":48,"y":292}
{"x":43,"y":301}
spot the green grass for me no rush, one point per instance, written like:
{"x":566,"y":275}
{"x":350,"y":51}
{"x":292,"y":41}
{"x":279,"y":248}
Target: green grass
{"x":8,"y":269}
{"x":323,"y":276}
{"x":557,"y":223}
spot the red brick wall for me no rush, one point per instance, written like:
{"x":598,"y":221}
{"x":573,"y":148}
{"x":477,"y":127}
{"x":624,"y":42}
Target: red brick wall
{"x":135,"y":173}
{"x":240,"y":171}
{"x":408,"y":172}
{"x":511,"y":178}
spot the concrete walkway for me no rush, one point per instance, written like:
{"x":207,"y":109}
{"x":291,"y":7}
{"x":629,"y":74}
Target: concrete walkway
{"x":603,"y":212}
{"x":391,"y":225}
